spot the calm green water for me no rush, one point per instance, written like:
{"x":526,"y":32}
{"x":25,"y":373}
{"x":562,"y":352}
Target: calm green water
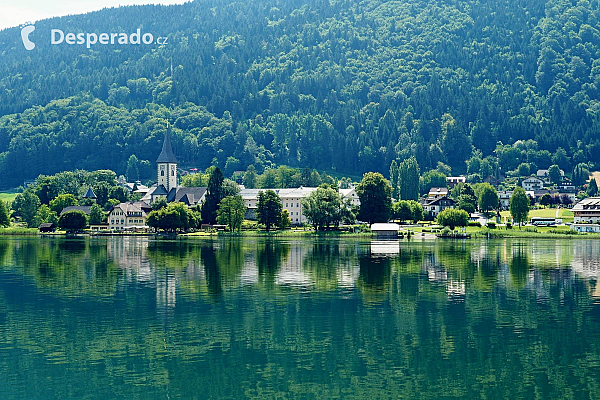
{"x":259,"y":318}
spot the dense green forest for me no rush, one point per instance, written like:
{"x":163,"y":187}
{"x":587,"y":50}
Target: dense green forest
{"x":340,"y":86}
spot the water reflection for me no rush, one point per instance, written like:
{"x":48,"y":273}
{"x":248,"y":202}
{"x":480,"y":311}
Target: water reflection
{"x":266,"y":318}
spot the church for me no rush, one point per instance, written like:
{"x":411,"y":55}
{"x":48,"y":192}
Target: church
{"x":166,"y":184}
{"x":132,"y":215}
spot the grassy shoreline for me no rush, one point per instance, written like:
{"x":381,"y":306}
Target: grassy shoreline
{"x":475,"y":232}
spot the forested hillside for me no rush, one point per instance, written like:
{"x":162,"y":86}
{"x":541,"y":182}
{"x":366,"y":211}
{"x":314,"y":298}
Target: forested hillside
{"x":341,"y":86}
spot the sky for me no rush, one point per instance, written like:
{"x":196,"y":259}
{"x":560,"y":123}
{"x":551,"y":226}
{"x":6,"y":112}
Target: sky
{"x":17,"y":12}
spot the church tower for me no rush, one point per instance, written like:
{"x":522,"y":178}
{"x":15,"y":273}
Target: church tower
{"x":167,"y":164}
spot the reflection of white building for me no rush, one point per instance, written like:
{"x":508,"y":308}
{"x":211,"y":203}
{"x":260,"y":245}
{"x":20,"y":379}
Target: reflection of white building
{"x":586,"y":259}
{"x":129,"y":253}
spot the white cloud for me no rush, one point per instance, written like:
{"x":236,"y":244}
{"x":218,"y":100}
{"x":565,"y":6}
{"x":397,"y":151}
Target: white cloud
{"x":19,"y":12}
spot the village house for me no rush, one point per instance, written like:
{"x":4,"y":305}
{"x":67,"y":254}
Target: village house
{"x":436,"y":205}
{"x":129,"y":216}
{"x":504,"y":197}
{"x":587,"y":211}
{"x":455,"y":180}
{"x":532,"y":183}
{"x":437,"y":192}
{"x":350,"y":194}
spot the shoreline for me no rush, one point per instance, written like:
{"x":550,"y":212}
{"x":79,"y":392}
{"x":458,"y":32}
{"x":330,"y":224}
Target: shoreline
{"x":482,"y":233}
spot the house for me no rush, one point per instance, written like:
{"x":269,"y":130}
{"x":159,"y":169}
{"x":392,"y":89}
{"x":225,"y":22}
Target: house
{"x":437,"y":192}
{"x":586,"y":228}
{"x":532,"y":183}
{"x":504,"y":197}
{"x":129,"y":215}
{"x":433,"y":207}
{"x":351,"y":195}
{"x":47,"y":227}
{"x":587,"y":211}
{"x":85,"y":209}
{"x":455,"y":180}
{"x":567,"y":187}
{"x":385,"y":231}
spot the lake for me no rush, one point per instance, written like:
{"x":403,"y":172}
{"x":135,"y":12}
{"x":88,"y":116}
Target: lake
{"x":264,"y":318}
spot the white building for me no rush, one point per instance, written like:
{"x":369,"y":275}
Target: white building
{"x":291,"y":200}
{"x":532,"y":183}
{"x":437,"y":205}
{"x":504,"y":197}
{"x":455,"y":180}
{"x":437,"y":193}
{"x":351,"y":195}
{"x":587,"y":211}
{"x":131,"y":215}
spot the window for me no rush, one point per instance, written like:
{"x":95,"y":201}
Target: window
{"x":286,"y":204}
{"x":162,"y":173}
{"x":172,"y":172}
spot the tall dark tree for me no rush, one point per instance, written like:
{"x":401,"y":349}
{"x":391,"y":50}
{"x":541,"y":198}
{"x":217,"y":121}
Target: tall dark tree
{"x":214,"y":195}
{"x":268,"y":209}
{"x":374,"y":192}
{"x":409,"y":179}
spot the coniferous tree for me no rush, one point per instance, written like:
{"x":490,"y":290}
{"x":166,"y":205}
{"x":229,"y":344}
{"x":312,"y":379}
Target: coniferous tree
{"x":592,"y":189}
{"x":214,"y":195}
{"x":394,"y":178}
{"x":409,"y":179}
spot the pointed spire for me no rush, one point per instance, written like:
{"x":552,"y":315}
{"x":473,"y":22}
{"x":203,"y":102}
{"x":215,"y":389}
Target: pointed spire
{"x":89,"y":194}
{"x":167,"y":155}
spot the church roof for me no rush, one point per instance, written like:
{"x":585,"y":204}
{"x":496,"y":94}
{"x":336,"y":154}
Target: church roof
{"x":167,"y":155}
{"x":160,"y":191}
{"x":89,"y":194}
{"x":188,"y":195}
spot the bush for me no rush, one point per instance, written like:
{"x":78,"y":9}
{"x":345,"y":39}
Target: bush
{"x":563,"y":231}
{"x":491,"y":225}
{"x":508,"y":225}
{"x":452,"y":218}
{"x":475,"y":223}
{"x":73,"y":221}
{"x":446,"y":231}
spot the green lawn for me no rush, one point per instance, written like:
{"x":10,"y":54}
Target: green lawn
{"x":565,"y":214}
{"x":7,"y":196}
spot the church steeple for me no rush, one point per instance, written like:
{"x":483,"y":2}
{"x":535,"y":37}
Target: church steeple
{"x":167,"y":155}
{"x":167,"y":164}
